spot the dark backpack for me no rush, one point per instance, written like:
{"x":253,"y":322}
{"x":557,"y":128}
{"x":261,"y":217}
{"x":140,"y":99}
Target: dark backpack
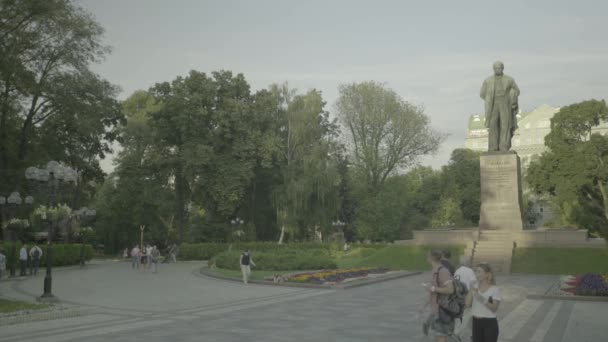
{"x":36,"y":254}
{"x":452,"y":305}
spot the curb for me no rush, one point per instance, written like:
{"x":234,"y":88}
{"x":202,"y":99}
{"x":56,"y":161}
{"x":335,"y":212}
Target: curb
{"x":570,"y":298}
{"x":210,"y":273}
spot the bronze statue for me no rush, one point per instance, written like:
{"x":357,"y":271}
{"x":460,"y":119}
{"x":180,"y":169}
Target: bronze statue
{"x":500,"y":93}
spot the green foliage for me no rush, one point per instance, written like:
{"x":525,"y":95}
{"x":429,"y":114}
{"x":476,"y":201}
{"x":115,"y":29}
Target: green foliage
{"x":448,"y":213}
{"x":307,"y":199}
{"x":278,"y":260}
{"x":575,"y":168}
{"x":51,"y":105}
{"x":382,"y":216}
{"x":63,"y":254}
{"x":387,"y":133}
{"x":571,"y":261}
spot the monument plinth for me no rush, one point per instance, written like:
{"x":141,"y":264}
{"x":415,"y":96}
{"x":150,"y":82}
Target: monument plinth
{"x":501,"y":200}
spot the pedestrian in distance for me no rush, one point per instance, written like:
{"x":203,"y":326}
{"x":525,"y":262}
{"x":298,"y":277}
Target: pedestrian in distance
{"x":2,"y":262}
{"x":154,"y":255}
{"x":135,"y":255}
{"x":35,"y":255}
{"x":23,"y":260}
{"x":173,"y":253}
{"x":484,"y":299}
{"x":246,"y":262}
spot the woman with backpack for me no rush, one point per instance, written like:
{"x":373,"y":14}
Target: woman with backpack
{"x":440,"y":324}
{"x":484,"y":299}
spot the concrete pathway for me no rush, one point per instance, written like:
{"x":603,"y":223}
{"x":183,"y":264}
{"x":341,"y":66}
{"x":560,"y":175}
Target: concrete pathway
{"x":178,"y":304}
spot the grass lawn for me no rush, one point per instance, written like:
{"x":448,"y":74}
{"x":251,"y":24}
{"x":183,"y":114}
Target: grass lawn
{"x":12,"y":306}
{"x":560,"y":260}
{"x":411,"y":258}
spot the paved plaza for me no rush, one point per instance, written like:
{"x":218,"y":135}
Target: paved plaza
{"x":180,"y":304}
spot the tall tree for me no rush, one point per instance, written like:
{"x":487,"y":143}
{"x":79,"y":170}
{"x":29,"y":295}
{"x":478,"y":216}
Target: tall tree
{"x":461,"y":186}
{"x":574,"y":170}
{"x":51,"y":104}
{"x":386,"y":133}
{"x":308,"y":199}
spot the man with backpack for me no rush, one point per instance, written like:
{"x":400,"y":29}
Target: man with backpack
{"x":35,"y":255}
{"x":446,"y":298}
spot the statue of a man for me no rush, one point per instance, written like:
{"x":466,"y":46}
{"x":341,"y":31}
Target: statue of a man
{"x":500,"y":93}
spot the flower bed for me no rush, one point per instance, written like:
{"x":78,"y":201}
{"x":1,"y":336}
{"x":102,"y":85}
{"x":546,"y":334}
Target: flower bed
{"x":590,"y":284}
{"x":334,"y":276}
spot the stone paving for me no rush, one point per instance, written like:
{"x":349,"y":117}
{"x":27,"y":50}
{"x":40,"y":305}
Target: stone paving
{"x":179,"y":304}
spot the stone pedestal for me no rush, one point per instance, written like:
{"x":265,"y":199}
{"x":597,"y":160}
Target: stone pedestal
{"x":501,"y":201}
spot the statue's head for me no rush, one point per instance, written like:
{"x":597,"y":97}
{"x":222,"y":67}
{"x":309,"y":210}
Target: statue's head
{"x":498,"y":68}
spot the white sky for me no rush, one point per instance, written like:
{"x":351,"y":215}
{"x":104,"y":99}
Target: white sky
{"x":432,"y":53}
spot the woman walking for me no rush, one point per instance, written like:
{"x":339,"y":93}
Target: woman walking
{"x":484,"y":298}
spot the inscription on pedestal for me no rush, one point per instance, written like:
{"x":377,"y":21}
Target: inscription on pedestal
{"x":500,"y":192}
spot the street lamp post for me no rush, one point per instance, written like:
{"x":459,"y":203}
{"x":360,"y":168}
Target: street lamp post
{"x":141,"y":228}
{"x":236,"y":224}
{"x":84,"y":214}
{"x":50,"y":179}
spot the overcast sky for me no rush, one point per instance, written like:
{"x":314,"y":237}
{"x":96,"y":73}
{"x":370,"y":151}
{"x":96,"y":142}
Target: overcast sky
{"x":432,"y":53}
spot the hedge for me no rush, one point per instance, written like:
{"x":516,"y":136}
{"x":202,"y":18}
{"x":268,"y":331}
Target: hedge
{"x":206,"y":251}
{"x":63,"y":254}
{"x":278,"y":261}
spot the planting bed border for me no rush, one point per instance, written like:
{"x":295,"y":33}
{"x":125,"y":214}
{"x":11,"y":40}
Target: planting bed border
{"x":352,"y":284}
{"x":548,"y":295}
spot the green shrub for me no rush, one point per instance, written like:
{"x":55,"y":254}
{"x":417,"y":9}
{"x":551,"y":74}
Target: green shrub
{"x":63,"y":254}
{"x":278,"y":260}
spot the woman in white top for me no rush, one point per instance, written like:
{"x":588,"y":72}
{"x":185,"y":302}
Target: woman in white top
{"x":484,"y":298}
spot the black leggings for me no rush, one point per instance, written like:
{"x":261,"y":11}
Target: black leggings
{"x":485,"y":329}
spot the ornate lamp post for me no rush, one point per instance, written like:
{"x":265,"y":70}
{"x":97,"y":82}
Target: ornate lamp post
{"x":236,"y":225}
{"x":50,"y":180}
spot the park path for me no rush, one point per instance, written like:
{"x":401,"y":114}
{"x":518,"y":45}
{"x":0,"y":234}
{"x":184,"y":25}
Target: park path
{"x":179,"y":304}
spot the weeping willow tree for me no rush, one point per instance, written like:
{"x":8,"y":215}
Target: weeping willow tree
{"x":308,"y":198}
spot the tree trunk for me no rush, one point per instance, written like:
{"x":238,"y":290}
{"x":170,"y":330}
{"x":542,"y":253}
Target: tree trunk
{"x":604,"y":192}
{"x":282,"y":234}
{"x":25,"y":129}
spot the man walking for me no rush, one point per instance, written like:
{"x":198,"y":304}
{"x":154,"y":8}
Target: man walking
{"x":154,"y":255}
{"x":135,"y":255}
{"x":23,"y":260}
{"x":246,"y":262}
{"x":465,"y":274}
{"x":35,"y":255}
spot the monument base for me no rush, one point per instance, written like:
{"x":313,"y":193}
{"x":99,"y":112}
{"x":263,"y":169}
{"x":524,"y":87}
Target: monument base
{"x":501,"y":194}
